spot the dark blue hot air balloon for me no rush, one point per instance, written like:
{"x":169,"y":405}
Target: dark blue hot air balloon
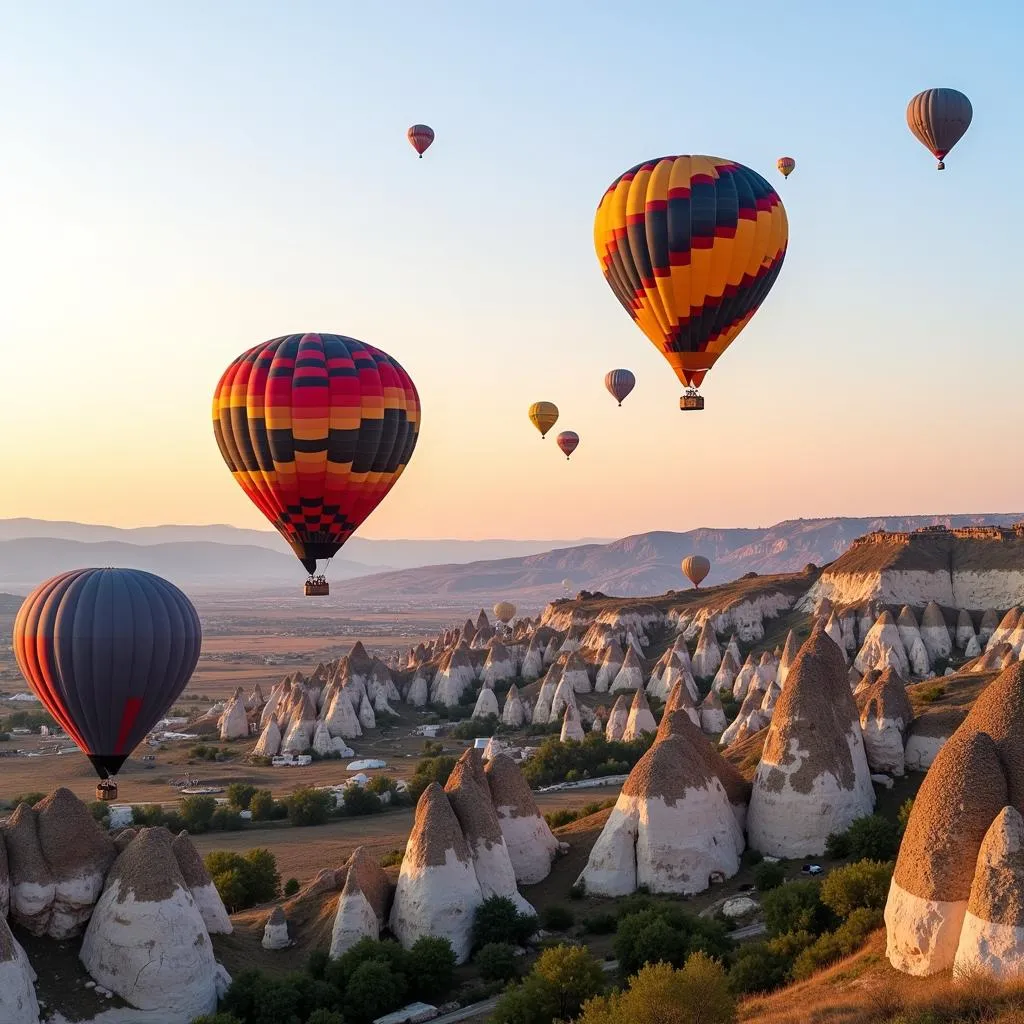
{"x":107,"y":652}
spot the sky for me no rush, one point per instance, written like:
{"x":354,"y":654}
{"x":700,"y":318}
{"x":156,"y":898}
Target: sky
{"x":181,"y":181}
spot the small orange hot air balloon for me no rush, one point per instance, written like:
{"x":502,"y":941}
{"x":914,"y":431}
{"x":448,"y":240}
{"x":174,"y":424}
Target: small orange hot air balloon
{"x":543,"y":415}
{"x":421,"y":136}
{"x":786,"y":165}
{"x":568,"y":440}
{"x":696,"y":568}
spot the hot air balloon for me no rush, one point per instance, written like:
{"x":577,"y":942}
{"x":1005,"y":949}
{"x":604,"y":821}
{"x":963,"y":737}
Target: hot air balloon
{"x":691,"y":245}
{"x":619,"y":383}
{"x":568,"y":584}
{"x":696,"y":567}
{"x":938,"y":118}
{"x":568,"y":440}
{"x":504,"y":611}
{"x":420,"y":136}
{"x":107,"y":652}
{"x":543,"y":415}
{"x":316,"y":429}
{"x":786,"y":165}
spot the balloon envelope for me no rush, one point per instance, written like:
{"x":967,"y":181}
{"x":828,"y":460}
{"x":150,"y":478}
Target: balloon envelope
{"x":938,"y":119}
{"x":696,"y":568}
{"x":543,"y":415}
{"x":786,"y":165}
{"x":568,"y":440}
{"x":504,"y":611}
{"x":619,"y":383}
{"x":691,"y":245}
{"x":316,"y":429}
{"x":420,"y":136}
{"x":107,"y":652}
{"x":568,"y":584}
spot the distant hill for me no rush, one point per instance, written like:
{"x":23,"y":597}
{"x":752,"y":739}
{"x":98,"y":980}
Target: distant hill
{"x":10,"y":603}
{"x":647,"y":563}
{"x":362,"y":555}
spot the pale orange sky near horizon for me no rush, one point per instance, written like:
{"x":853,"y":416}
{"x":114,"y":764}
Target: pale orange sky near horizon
{"x":175,"y":194}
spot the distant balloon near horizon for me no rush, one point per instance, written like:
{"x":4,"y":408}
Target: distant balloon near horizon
{"x":786,"y":165}
{"x":619,"y":383}
{"x":420,"y":136}
{"x":107,"y":652}
{"x":938,"y":119}
{"x":690,"y":246}
{"x":568,"y":441}
{"x":316,"y":430}
{"x":696,"y":569}
{"x":568,"y":583}
{"x":543,"y":415}
{"x":504,"y":611}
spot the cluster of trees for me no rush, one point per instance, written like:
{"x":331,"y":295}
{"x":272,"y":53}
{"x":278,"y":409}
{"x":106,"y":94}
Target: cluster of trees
{"x":371,"y":979}
{"x":566,"y":815}
{"x":593,"y":758}
{"x":31,"y":720}
{"x":869,"y":838}
{"x":244,"y":880}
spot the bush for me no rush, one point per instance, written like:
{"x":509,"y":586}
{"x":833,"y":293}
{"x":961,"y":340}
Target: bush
{"x":833,"y":946}
{"x":433,"y":748}
{"x":869,"y":838}
{"x":240,"y":795}
{"x":100,"y":812}
{"x":373,"y":990}
{"x":244,"y":881}
{"x":431,"y":967}
{"x":339,"y":972}
{"x":904,"y":815}
{"x":557,"y":919}
{"x":593,"y":758}
{"x":795,"y":907}
{"x":309,"y":806}
{"x":697,"y":994}
{"x":316,"y":965}
{"x":768,"y":876}
{"x":359,"y":801}
{"x":432,"y":769}
{"x":496,"y":962}
{"x":758,"y":968}
{"x":197,"y":813}
{"x":600,"y":924}
{"x":265,"y":808}
{"x":498,"y":920}
{"x":225,"y":819}
{"x":291,"y":887}
{"x":27,"y":798}
{"x":475,"y":728}
{"x":930,"y":694}
{"x":861,"y":885}
{"x":392,"y":859}
{"x":665,"y":932}
{"x":572,"y":975}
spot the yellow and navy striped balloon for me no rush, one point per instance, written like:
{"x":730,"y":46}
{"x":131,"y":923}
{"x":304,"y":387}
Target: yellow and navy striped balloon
{"x":691,"y":245}
{"x":316,"y":429}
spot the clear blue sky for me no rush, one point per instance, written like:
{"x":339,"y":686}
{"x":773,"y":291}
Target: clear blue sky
{"x":179,"y":181}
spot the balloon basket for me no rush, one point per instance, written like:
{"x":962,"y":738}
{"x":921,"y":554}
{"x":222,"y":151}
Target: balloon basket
{"x":691,"y":402}
{"x":317,"y":587}
{"x":106,"y":791}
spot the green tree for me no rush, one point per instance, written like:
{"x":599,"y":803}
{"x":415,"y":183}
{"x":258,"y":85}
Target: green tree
{"x":291,"y":887}
{"x":309,"y":806}
{"x":758,"y":968}
{"x":339,"y":972}
{"x":197,"y":813}
{"x":261,"y":803}
{"x":532,"y":1002}
{"x":431,"y":967}
{"x":359,"y":801}
{"x":497,"y":962}
{"x":373,"y":990}
{"x":244,"y":881}
{"x":795,"y":907}
{"x":430,"y":769}
{"x":230,"y":885}
{"x":871,"y":837}
{"x":226,"y":819}
{"x":574,"y":976}
{"x":264,"y":880}
{"x":557,"y":918}
{"x":863,"y":884}
{"x":240,"y":795}
{"x":664,"y":932}
{"x":498,"y":920}
{"x":768,"y":876}
{"x":833,"y":946}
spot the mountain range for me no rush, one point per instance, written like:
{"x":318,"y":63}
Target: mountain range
{"x":442,"y":572}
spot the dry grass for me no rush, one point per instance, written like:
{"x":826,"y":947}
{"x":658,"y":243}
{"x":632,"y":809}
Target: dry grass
{"x":864,"y":989}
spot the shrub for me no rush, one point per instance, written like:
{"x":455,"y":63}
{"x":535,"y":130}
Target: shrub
{"x":244,"y":881}
{"x":904,"y":814}
{"x":431,"y":769}
{"x":431,"y":967}
{"x":392,"y":859}
{"x":432,"y":748}
{"x":373,"y":990}
{"x":197,"y":813}
{"x":697,"y":994}
{"x":100,"y":812}
{"x":225,"y":819}
{"x":498,"y":920}
{"x":600,"y":924}
{"x":758,"y":968}
{"x":475,"y":728}
{"x":593,"y":758}
{"x":869,"y":838}
{"x":930,"y":694}
{"x":339,"y":972}
{"x":844,"y":941}
{"x":572,"y":974}
{"x":360,"y":801}
{"x":263,"y":806}
{"x":768,"y":876}
{"x":291,"y":887}
{"x":496,"y":961}
{"x":318,"y":960}
{"x":27,"y":798}
{"x":557,"y":919}
{"x":861,"y":885}
{"x":795,"y":907}
{"x":309,"y":806}
{"x":665,"y":932}
{"x":240,"y":795}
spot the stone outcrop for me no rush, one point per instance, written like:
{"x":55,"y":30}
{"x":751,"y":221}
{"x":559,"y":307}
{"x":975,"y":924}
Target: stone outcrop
{"x":32,"y":886}
{"x":574,"y":673}
{"x":275,"y":931}
{"x":499,"y":667}
{"x":572,"y":727}
{"x":18,"y":1004}
{"x":234,"y":723}
{"x":708,"y":655}
{"x":935,"y":633}
{"x":362,"y":904}
{"x":885,"y":719}
{"x":813,"y":778}
{"x":200,"y":885}
{"x":631,"y":675}
{"x":438,"y":891}
{"x":269,"y":742}
{"x":146,"y":940}
{"x":530,"y":843}
{"x":712,"y":714}
{"x":78,"y":854}
{"x":883,"y":646}
{"x":618,"y":717}
{"x":486,"y":704}
{"x":640,"y":718}
{"x":611,"y":663}
{"x":513,"y":714}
